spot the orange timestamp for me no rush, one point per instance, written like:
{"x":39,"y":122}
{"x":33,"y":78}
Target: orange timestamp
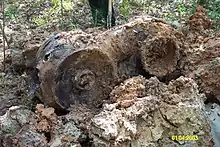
{"x":184,"y":137}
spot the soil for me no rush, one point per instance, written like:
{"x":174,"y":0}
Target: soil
{"x":137,"y":84}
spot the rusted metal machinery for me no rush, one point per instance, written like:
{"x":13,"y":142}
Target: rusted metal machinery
{"x":86,"y":74}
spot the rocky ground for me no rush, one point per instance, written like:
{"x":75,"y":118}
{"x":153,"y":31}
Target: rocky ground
{"x":163,"y":86}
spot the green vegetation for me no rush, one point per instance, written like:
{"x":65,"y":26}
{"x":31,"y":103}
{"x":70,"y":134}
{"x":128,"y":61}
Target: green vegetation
{"x":125,"y":8}
{"x":213,"y":8}
{"x":64,"y":13}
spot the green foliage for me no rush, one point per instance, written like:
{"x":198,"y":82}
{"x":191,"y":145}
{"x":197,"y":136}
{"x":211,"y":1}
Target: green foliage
{"x":66,"y":4}
{"x":11,"y":12}
{"x":187,"y":9}
{"x":56,"y":3}
{"x":214,"y":14}
{"x":125,"y":8}
{"x":52,"y":14}
{"x":61,"y":12}
{"x":181,"y":8}
{"x":39,"y":21}
{"x":213,"y":7}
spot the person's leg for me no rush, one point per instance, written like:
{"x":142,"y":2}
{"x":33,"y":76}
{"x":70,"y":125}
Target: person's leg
{"x":98,"y":10}
{"x":113,"y":16}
